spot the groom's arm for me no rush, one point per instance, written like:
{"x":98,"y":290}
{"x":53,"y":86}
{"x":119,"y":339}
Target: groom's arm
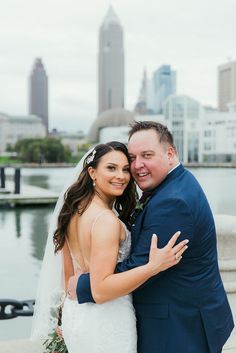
{"x":163,"y":219}
{"x":83,"y":289}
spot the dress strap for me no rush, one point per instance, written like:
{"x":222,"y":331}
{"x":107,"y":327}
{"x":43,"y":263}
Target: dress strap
{"x":98,"y":216}
{"x":74,"y":260}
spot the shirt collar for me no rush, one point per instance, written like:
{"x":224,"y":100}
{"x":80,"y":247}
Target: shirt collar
{"x":174,"y":168}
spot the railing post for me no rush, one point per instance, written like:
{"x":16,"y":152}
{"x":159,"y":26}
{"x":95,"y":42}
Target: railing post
{"x":3,"y":177}
{"x":17,"y":180}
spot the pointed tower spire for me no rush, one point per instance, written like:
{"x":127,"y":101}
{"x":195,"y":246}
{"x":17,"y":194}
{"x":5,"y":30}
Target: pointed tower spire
{"x":141,"y":105}
{"x":143,"y":89}
{"x":110,"y":17}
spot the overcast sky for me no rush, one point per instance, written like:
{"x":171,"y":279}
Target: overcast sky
{"x":193,"y":36}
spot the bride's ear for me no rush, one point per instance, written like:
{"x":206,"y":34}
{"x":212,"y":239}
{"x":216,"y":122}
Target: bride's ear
{"x":92,"y":172}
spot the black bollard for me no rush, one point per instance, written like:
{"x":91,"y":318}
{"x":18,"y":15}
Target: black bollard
{"x":17,"y":180}
{"x":3,"y":178}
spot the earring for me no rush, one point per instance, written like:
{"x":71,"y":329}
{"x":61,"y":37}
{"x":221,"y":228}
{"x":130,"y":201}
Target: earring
{"x":94,"y":184}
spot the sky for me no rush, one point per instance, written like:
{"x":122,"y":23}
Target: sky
{"x":193,"y":36}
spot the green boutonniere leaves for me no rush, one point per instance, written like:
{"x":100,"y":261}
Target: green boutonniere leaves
{"x":140,"y":205}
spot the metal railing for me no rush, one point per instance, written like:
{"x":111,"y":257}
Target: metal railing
{"x":9,"y":309}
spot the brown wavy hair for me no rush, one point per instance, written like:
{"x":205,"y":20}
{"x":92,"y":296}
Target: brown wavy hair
{"x":80,"y":194}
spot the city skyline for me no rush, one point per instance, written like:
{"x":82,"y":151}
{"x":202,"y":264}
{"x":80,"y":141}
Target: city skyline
{"x":194,"y":38}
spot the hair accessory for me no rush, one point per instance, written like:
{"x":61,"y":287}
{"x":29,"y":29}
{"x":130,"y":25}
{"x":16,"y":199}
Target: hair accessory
{"x":91,"y":157}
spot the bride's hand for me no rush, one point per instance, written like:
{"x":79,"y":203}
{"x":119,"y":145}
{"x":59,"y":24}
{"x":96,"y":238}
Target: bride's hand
{"x":170,"y":255}
{"x":72,"y":284}
{"x":59,"y":332}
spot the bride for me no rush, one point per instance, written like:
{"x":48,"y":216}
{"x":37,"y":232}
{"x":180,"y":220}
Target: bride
{"x":89,"y":233}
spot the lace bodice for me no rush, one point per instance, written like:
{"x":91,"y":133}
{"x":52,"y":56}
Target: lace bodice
{"x":125,"y":245}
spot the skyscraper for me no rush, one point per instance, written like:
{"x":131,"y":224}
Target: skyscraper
{"x":141,"y":105}
{"x":38,"y":92}
{"x":164,"y":84}
{"x":110,"y":63}
{"x":226,"y":85}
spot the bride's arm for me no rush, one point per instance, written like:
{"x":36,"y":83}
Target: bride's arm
{"x":106,"y":285}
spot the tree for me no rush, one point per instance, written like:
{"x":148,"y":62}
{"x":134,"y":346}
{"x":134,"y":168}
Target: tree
{"x":49,"y":150}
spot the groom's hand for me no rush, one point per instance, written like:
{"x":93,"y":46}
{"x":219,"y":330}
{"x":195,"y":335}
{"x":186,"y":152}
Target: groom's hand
{"x":71,"y":287}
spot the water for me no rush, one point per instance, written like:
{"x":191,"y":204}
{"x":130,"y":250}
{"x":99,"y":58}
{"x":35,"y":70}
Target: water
{"x":23,"y":233}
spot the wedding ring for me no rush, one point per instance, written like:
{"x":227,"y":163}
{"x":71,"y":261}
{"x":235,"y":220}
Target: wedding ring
{"x":176,"y":257}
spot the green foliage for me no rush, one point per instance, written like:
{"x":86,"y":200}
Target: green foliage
{"x":9,"y":148}
{"x":84,"y":147}
{"x":8,"y":160}
{"x":47,"y":150}
{"x":55,"y":344}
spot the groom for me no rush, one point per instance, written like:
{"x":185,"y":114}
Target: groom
{"x":183,"y":309}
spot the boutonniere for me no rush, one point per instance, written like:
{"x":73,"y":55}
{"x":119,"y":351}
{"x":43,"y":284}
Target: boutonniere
{"x":140,"y":205}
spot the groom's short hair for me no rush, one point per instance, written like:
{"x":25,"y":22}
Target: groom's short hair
{"x":162,"y":131}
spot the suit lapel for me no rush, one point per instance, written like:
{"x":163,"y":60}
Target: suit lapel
{"x":138,"y":221}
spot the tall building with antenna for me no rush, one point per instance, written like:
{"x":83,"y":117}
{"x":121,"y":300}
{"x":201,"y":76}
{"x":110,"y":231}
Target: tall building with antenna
{"x":141,"y":105}
{"x":110,"y":63}
{"x":38,"y":92}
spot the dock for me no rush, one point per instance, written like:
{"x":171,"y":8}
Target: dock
{"x":29,"y":195}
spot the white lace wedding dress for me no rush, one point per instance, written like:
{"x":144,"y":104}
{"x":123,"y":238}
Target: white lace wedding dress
{"x":101,"y":328}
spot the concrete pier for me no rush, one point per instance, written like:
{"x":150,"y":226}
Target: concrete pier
{"x":30,"y":195}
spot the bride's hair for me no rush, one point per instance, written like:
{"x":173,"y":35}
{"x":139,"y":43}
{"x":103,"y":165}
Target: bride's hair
{"x":79,"y":195}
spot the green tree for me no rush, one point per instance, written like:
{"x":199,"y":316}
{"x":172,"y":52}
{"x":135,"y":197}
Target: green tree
{"x":49,"y":150}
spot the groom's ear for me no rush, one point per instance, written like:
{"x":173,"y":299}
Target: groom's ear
{"x":171,"y":153}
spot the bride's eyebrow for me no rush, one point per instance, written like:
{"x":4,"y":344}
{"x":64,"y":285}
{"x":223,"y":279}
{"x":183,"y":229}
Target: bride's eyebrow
{"x":115,"y":165}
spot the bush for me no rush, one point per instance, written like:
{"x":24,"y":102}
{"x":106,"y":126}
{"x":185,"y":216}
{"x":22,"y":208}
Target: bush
{"x":47,"y":150}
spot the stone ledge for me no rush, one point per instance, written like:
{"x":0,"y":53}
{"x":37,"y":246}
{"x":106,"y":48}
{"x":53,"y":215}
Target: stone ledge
{"x":26,"y":346}
{"x":20,"y":346}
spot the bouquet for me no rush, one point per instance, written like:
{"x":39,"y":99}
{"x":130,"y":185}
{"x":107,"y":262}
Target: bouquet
{"x":55,"y":343}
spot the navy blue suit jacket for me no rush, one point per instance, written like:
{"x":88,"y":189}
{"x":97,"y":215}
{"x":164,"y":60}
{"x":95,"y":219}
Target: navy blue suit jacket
{"x":183,"y":309}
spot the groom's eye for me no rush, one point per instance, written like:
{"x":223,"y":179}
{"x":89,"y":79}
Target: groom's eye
{"x":147,"y":155}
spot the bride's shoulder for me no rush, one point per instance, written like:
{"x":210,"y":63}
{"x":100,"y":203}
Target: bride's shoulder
{"x":105,"y":215}
{"x":104,"y":220}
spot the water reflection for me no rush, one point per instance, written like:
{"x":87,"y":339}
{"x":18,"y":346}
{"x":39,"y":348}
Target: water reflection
{"x":18,"y":222}
{"x":39,"y":229}
{"x":36,"y":180}
{"x":28,"y":221}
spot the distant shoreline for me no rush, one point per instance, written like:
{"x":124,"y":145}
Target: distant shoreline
{"x":71,"y":165}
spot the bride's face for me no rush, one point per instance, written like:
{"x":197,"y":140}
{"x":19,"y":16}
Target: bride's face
{"x":112,"y":174}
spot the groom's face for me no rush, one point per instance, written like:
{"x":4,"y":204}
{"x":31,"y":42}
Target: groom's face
{"x":150,"y":160}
